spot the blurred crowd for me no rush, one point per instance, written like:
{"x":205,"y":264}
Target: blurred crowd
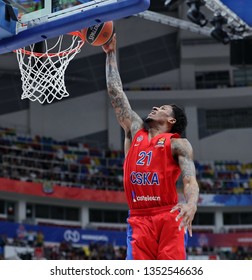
{"x":224,"y":177}
{"x":41,"y":159}
{"x":71,"y":164}
{"x":219,"y":253}
{"x":35,"y":248}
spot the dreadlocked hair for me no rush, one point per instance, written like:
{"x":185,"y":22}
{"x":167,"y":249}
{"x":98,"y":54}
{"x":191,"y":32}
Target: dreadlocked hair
{"x":181,"y":120}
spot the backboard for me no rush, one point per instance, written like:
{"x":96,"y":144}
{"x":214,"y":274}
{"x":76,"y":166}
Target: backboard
{"x":45,"y":19}
{"x":242,"y":8}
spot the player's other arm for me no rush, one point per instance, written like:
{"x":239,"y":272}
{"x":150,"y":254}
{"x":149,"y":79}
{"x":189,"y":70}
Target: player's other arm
{"x":126,"y":117}
{"x":183,"y":152}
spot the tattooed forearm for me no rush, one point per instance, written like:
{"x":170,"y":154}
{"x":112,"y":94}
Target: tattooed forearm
{"x":113,"y":76}
{"x":183,"y":151}
{"x":191,"y":189}
{"x":191,"y":193}
{"x":118,"y":98}
{"x":114,"y":82}
{"x":127,"y":118}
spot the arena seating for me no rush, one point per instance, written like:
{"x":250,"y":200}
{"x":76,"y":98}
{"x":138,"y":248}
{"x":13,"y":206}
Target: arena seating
{"x":67,"y":164}
{"x":72,"y":164}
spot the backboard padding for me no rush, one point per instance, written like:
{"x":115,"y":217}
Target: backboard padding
{"x":242,"y":9}
{"x":85,"y":17}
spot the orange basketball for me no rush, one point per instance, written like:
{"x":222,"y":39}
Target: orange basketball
{"x":99,"y":34}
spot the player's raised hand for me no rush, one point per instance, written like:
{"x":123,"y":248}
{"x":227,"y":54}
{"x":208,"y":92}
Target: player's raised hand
{"x":111,"y":45}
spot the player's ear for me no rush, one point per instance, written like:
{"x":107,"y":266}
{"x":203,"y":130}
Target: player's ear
{"x":172,"y":120}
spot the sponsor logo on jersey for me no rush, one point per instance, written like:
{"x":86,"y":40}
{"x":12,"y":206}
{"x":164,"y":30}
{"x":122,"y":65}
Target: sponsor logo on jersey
{"x":161,"y":142}
{"x":133,"y":196}
{"x":136,"y":198}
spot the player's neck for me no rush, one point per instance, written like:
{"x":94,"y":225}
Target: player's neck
{"x":154,"y":131}
{"x":154,"y":128}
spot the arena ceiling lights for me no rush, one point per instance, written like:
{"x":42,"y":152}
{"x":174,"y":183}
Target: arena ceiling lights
{"x":225,"y":25}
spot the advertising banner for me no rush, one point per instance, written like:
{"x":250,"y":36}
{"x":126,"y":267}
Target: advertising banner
{"x":63,"y":234}
{"x":117,"y":238}
{"x":53,"y":191}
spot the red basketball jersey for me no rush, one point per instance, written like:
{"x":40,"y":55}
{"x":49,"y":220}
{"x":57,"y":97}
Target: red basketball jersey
{"x":150,"y":172}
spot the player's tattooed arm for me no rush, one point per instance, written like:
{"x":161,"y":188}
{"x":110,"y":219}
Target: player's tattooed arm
{"x":183,"y":153}
{"x":117,"y":96}
{"x":126,"y":117}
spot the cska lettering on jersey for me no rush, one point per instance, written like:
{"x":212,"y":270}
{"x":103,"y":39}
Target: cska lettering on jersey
{"x":144,"y":178}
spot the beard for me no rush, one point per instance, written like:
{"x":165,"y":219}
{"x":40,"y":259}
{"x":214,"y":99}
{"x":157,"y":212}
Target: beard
{"x":148,"y":123}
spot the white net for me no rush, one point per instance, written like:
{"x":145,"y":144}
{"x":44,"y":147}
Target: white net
{"x":43,"y":73}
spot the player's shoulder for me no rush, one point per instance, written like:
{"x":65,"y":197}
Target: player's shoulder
{"x":180,"y":144}
{"x":180,"y":140}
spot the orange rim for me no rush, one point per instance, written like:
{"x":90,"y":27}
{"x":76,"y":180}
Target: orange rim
{"x":62,"y":53}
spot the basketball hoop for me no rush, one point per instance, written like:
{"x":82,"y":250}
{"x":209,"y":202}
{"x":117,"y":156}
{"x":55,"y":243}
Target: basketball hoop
{"x":43,"y":74}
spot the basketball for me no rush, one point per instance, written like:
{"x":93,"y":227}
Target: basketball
{"x":99,"y":34}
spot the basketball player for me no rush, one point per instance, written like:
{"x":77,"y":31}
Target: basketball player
{"x":155,"y":158}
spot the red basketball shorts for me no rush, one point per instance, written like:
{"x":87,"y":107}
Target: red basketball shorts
{"x":153,"y":234}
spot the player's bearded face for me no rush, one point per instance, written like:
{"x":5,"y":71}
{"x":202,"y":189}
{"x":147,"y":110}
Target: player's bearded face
{"x":148,"y":119}
{"x":159,"y":114}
